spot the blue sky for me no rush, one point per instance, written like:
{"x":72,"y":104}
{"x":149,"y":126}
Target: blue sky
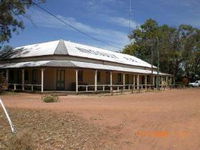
{"x":106,"y":20}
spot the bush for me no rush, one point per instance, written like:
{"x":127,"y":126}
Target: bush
{"x":50,"y":98}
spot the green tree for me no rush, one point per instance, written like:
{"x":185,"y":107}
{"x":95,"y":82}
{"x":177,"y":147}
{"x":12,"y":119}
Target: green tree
{"x":178,"y":47}
{"x":10,"y":13}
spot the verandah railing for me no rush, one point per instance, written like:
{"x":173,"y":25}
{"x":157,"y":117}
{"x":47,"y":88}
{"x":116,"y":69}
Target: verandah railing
{"x":91,"y":88}
{"x":27,"y":87}
{"x":118,"y":88}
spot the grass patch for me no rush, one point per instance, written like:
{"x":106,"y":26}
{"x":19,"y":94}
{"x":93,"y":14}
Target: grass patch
{"x":22,"y":141}
{"x":50,"y":98}
{"x":47,"y":130}
{"x":7,"y":93}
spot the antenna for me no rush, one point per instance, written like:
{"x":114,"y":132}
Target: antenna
{"x":130,"y":12}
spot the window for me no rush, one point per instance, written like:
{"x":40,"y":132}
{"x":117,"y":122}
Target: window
{"x":80,"y":76}
{"x":119,"y":77}
{"x":98,"y":76}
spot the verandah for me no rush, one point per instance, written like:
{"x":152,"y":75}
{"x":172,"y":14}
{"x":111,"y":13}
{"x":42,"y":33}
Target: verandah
{"x":82,"y":80}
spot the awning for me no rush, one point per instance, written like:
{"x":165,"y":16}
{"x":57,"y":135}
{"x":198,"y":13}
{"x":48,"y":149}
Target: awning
{"x":76,"y":64}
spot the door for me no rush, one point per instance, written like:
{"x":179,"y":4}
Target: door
{"x":60,"y":80}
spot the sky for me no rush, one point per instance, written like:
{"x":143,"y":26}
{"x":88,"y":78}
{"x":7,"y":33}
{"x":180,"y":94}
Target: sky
{"x":105,"y":20}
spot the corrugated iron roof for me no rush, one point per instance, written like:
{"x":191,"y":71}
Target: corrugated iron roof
{"x":61,"y":47}
{"x":76,"y":64}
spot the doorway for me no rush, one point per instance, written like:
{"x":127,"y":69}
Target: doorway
{"x":60,"y":79}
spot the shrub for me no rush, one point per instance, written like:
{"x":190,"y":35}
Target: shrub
{"x":50,"y":98}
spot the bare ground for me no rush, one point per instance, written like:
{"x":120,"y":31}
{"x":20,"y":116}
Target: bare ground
{"x":166,"y":120}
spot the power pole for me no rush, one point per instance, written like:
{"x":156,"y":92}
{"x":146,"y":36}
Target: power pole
{"x":152,"y":54}
{"x":152,"y":76}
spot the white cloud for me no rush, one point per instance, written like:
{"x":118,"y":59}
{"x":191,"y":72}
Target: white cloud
{"x":117,"y":38}
{"x":123,"y":22}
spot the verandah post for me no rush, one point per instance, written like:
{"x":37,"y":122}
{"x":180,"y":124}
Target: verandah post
{"x":145,"y":82}
{"x":7,"y":75}
{"x":167,"y":81}
{"x":7,"y":78}
{"x":153,"y":81}
{"x":22,"y":79}
{"x":95,"y":81}
{"x":138,"y":81}
{"x":76,"y":81}
{"x":42,"y":80}
{"x":124,"y":80}
{"x":134,"y":82}
{"x":111,"y":88}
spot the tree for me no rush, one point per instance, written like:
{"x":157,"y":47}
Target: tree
{"x":179,"y":48}
{"x":10,"y":13}
{"x":5,"y":51}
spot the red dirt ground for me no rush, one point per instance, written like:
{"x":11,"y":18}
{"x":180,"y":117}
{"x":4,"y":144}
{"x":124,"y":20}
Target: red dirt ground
{"x":166,"y":120}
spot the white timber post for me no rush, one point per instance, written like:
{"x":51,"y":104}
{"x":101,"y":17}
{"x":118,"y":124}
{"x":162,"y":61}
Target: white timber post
{"x":111,"y":88}
{"x":167,"y":81}
{"x":153,"y":81}
{"x":15,"y":88}
{"x":161,"y":81}
{"x":42,"y":80}
{"x":22,"y":79}
{"x":170,"y":81}
{"x":134,"y":82}
{"x":95,"y":81}
{"x":76,"y":81}
{"x":145,"y":82}
{"x":124,"y":80}
{"x":173,"y":83}
{"x":138,"y":81}
{"x":7,"y":75}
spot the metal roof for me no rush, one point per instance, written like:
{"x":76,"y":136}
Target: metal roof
{"x":67,"y":48}
{"x":76,"y":64}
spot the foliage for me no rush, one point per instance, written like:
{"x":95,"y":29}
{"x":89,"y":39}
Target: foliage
{"x":11,"y":12}
{"x":3,"y":83}
{"x":5,"y":50}
{"x":179,"y":48}
{"x":50,"y":98}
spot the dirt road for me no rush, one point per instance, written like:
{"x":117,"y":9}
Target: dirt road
{"x":167,"y":120}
